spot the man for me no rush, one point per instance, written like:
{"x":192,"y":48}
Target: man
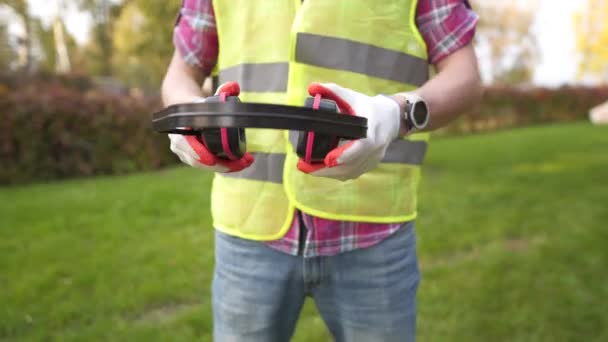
{"x":340,"y":231}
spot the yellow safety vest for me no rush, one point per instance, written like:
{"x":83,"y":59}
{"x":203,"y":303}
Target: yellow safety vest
{"x":274,"y":49}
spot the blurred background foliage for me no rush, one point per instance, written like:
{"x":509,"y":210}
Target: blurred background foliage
{"x":591,"y":26}
{"x":130,"y":40}
{"x":505,"y":27}
{"x":129,"y":45}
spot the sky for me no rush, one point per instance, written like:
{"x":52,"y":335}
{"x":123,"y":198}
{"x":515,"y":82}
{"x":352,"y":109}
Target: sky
{"x":553,"y":27}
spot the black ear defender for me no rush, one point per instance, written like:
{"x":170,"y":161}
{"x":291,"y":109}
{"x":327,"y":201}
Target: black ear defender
{"x":313,"y":146}
{"x":226,"y":143}
{"x":219,"y":123}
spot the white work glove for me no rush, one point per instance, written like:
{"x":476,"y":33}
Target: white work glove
{"x":191,"y":150}
{"x":354,"y":158}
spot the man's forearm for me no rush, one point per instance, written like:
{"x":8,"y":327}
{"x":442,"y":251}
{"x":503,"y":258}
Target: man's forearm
{"x":454,"y":89}
{"x":182,"y":83}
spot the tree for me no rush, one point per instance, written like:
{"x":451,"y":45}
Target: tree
{"x":6,"y":53}
{"x":62,"y":64}
{"x":592,"y":38}
{"x":142,"y":42}
{"x":104,"y":13}
{"x":45,"y":39}
{"x":54,"y":50}
{"x":25,"y":58}
{"x":504,"y":29}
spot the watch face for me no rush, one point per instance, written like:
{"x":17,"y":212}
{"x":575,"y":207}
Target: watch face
{"x":420,"y":114}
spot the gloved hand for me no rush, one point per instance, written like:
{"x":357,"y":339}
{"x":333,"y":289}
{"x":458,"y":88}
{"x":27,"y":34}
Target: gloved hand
{"x":354,"y":158}
{"x":193,"y":152}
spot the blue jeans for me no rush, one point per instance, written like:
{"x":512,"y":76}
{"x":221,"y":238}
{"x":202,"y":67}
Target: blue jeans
{"x":364,"y":295}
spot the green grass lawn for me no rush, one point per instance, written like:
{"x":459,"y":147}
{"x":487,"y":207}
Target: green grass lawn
{"x":513,"y":245}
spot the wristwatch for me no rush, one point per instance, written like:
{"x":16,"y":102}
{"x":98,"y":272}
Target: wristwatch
{"x":416,"y":115}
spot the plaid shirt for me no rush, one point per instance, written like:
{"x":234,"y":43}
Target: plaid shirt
{"x":445,"y":25}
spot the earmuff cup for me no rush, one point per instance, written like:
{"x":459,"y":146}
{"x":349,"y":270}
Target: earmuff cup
{"x":225,"y":143}
{"x":320,"y":144}
{"x":231,"y":144}
{"x":235,"y":137}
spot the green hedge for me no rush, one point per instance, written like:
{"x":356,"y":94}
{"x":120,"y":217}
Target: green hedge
{"x":53,"y":128}
{"x":58,"y":127}
{"x":509,"y":107}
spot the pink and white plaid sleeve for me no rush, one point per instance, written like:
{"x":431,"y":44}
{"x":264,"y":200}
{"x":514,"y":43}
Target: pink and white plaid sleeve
{"x":195,"y":34}
{"x":446,"y":26}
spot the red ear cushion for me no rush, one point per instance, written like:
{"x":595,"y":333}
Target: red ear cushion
{"x":205,"y":156}
{"x":225,"y":90}
{"x":318,"y":89}
{"x":230,"y":88}
{"x":226,"y":144}
{"x":310,"y":141}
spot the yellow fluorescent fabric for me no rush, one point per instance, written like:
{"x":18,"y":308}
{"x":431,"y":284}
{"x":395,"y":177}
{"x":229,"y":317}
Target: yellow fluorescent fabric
{"x":274,"y":49}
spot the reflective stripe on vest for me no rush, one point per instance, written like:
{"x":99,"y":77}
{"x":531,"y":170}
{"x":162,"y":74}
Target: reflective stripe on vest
{"x":267,"y":167}
{"x":398,"y":152}
{"x":259,"y":78}
{"x":343,"y":54}
{"x":332,"y":53}
{"x":405,"y":152}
